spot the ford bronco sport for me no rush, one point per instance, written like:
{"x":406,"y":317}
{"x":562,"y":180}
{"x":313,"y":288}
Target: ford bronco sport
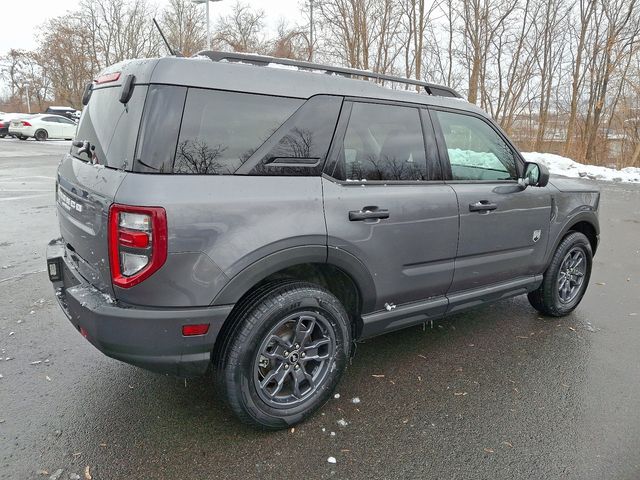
{"x":220,"y":214}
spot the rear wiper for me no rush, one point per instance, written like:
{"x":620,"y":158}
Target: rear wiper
{"x":84,"y":147}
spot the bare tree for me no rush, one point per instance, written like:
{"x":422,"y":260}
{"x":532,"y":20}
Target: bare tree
{"x":120,"y":29}
{"x":66,"y":56}
{"x":184,"y":26}
{"x":242,"y":30}
{"x":290,"y":42}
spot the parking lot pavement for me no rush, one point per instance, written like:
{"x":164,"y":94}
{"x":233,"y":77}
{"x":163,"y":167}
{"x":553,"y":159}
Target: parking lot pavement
{"x":497,"y":393}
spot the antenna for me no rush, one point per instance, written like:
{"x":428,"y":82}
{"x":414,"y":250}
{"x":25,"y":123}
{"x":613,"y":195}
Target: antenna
{"x":171,"y":51}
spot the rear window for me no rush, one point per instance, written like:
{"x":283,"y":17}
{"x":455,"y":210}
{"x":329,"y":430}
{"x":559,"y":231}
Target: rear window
{"x":110,"y":127}
{"x":221,"y":130}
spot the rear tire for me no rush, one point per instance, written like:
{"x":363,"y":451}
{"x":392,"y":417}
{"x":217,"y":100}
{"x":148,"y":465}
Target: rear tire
{"x":565,"y":281}
{"x":41,"y":135}
{"x":286,"y":354}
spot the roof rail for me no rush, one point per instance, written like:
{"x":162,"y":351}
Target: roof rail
{"x":261,"y":60}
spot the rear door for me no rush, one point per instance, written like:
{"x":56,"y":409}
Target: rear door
{"x":503,"y":227}
{"x":386,"y":203}
{"x":88,"y":178}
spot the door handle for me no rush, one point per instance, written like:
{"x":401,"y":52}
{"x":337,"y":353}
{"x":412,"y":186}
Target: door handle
{"x":368,"y":213}
{"x":482,"y":206}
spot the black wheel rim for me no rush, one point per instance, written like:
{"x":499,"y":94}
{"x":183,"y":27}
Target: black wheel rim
{"x":294,"y":359}
{"x":571,"y":274}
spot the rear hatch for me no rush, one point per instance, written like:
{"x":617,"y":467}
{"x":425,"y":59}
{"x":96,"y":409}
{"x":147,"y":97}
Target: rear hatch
{"x":90,"y":175}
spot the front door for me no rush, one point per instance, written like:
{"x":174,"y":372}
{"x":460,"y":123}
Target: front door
{"x":503,"y":227}
{"x":386,"y":203}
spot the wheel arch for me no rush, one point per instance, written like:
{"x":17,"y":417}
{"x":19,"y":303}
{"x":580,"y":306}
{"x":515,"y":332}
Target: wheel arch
{"x":585,"y":223}
{"x":341,"y":273}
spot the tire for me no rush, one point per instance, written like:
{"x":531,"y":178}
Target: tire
{"x":22,"y":137}
{"x":561,"y":290}
{"x":265,"y":365}
{"x":2,"y":135}
{"x":41,"y":135}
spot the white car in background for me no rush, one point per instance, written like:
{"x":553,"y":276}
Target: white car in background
{"x":43,"y":126}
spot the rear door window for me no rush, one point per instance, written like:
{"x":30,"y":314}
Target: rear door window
{"x":221,"y":130}
{"x":384,"y":142}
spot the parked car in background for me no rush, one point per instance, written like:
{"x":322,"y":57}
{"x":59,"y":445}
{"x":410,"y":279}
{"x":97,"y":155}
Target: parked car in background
{"x":42,"y":127}
{"x":68,"y":112}
{"x":5,"y":120}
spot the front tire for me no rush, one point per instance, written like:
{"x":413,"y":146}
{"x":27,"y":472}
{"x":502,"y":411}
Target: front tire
{"x":22,"y":137}
{"x":565,"y":281}
{"x":286,"y":354}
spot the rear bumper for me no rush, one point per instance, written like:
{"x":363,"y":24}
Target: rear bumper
{"x":150,"y":338}
{"x":24,"y":131}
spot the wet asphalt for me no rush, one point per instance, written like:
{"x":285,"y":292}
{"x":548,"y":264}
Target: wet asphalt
{"x":494,"y":393}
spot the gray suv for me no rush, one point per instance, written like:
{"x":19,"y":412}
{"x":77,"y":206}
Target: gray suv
{"x":219,"y":214}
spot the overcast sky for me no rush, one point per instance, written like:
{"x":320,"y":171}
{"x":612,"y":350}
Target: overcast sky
{"x":20,"y":19}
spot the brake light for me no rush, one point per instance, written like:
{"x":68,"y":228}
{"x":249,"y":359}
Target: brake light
{"x":25,"y":124}
{"x":137,"y":243}
{"x":108,"y":77}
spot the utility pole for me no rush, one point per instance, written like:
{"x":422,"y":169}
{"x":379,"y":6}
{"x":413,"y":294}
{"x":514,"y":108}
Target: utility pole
{"x":208,"y":21}
{"x":26,"y":86}
{"x":311,"y":30}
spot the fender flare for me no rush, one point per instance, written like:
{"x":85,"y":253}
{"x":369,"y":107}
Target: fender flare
{"x":250,"y":276}
{"x":584,"y":216}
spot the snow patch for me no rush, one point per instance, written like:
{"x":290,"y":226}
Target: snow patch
{"x":566,"y":167}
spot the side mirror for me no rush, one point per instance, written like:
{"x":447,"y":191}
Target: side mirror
{"x":535,"y":175}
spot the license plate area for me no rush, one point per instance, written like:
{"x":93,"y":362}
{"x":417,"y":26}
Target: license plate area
{"x":55,"y":255}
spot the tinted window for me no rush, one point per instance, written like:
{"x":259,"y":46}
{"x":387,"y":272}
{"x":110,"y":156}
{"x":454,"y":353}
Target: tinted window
{"x":66,"y":120}
{"x":50,"y":119}
{"x":221,"y":130}
{"x":160,"y":129}
{"x":111,"y":127}
{"x":300,"y":146}
{"x":476,"y":151}
{"x":382,"y":142}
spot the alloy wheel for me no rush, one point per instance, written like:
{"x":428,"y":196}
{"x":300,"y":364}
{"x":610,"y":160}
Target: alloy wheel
{"x":571,"y":274}
{"x":294,"y":359}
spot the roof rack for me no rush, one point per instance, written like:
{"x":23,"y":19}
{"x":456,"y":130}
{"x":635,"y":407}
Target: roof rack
{"x":261,"y":60}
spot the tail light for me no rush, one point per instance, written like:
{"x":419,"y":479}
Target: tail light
{"x":25,"y":124}
{"x":137,"y":243}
